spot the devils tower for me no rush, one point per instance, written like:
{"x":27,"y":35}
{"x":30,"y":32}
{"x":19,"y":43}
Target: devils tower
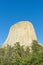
{"x":22,"y":32}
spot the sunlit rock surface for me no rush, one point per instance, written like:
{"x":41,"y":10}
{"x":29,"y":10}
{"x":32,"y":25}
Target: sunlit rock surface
{"x":22,"y":32}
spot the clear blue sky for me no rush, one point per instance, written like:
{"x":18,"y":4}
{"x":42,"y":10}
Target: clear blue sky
{"x":13,"y":11}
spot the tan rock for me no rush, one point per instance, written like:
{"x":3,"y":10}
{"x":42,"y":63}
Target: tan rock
{"x":22,"y":32}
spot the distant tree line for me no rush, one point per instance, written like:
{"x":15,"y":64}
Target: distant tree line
{"x":17,"y":55}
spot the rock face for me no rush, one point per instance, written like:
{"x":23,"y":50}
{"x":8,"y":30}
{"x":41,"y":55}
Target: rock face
{"x":22,"y":32}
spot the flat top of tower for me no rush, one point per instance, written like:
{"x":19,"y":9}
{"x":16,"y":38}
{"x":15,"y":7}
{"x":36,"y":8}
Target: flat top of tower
{"x":22,"y":23}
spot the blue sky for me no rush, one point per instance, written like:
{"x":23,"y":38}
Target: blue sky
{"x":13,"y":11}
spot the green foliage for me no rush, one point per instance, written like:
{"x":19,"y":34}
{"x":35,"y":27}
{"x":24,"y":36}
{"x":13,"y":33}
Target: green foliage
{"x":17,"y":55}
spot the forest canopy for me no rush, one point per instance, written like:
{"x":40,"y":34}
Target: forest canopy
{"x":17,"y":55}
